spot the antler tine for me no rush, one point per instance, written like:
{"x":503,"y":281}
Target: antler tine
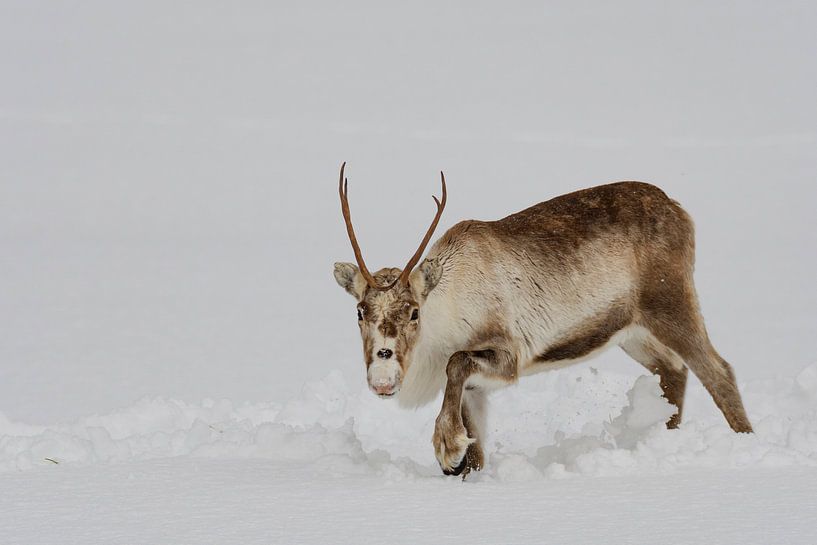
{"x":404,"y":276}
{"x":343,"y":190}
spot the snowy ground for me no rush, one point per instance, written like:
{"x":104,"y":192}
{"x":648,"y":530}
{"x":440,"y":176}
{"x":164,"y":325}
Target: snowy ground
{"x":169,"y":220}
{"x":215,"y":501}
{"x":573,"y":456}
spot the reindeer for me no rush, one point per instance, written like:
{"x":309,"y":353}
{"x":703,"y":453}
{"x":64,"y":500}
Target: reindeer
{"x":538,"y":290}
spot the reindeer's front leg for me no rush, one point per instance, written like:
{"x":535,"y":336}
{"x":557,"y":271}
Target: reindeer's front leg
{"x":474,"y":402}
{"x":458,"y":426}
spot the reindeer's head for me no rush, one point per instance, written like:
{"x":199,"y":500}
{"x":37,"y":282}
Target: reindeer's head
{"x":389,"y":304}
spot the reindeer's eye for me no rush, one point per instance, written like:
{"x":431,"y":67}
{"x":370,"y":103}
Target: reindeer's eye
{"x":359,"y":316}
{"x":415,"y":314}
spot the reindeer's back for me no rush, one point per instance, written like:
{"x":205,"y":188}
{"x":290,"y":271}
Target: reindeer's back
{"x":630,"y":213}
{"x":634,"y":208}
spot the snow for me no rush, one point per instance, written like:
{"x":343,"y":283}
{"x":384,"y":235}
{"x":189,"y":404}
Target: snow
{"x":177,"y":364}
{"x":328,"y":465}
{"x":342,"y":429}
{"x":202,"y":501}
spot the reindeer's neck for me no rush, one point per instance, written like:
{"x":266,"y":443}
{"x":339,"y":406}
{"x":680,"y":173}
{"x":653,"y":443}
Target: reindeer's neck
{"x":448,"y":324}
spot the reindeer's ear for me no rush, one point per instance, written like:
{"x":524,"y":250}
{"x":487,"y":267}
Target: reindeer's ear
{"x":425,"y":277}
{"x":349,"y":278}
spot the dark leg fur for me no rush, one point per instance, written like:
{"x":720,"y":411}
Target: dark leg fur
{"x":684,"y":333}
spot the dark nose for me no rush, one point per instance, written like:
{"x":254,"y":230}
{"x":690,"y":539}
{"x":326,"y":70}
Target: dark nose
{"x":384,"y":353}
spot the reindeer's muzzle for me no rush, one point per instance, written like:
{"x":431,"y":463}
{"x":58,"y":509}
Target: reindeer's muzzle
{"x":384,"y":377}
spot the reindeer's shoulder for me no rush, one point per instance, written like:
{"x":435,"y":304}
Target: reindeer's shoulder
{"x":462,"y":237}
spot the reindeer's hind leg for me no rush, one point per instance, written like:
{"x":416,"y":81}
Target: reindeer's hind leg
{"x":664,"y":362}
{"x":674,"y":319}
{"x":718,"y":378}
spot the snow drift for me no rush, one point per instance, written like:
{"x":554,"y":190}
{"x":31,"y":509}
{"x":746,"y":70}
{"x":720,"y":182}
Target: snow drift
{"x":560,"y":425}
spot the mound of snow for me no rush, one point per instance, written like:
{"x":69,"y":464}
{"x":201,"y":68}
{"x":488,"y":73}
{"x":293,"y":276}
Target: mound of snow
{"x":563,"y":424}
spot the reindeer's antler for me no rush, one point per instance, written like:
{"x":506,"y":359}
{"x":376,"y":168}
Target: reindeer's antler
{"x":404,"y":276}
{"x":344,"y":206}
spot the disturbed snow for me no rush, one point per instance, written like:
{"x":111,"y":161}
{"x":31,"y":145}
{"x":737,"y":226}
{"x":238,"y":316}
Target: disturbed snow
{"x":574,"y":456}
{"x":578,"y":422}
